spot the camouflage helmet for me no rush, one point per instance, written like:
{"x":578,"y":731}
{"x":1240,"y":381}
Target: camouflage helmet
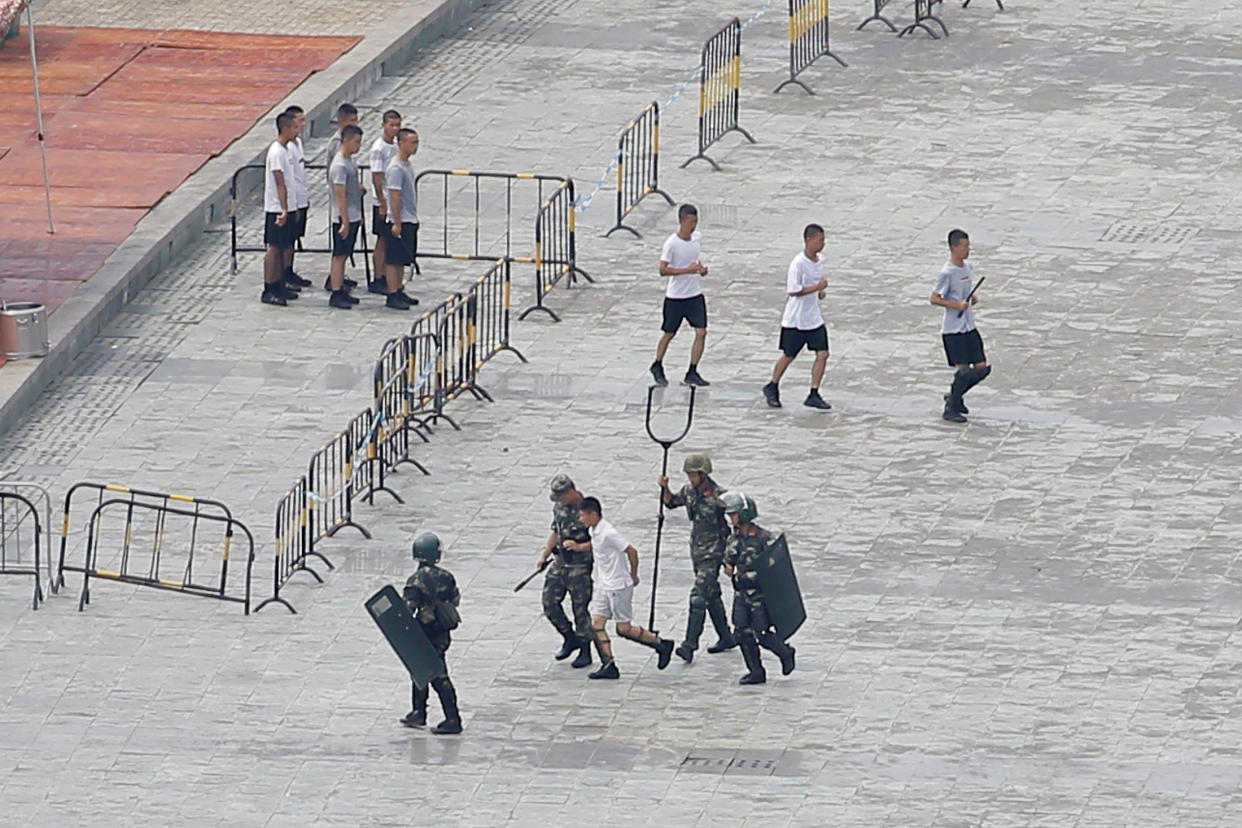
{"x":560,"y":484}
{"x":740,"y":503}
{"x":697,"y":463}
{"x":427,"y":548}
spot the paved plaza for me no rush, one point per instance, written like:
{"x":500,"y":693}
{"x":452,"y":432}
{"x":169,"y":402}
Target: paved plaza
{"x":1028,"y":620}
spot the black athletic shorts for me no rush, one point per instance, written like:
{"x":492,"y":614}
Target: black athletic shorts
{"x":793,"y":339}
{"x":345,"y":246}
{"x":400,"y":251}
{"x":379,"y":226}
{"x":964,"y":348}
{"x":298,"y":219}
{"x":692,"y":309}
{"x":276,"y":236}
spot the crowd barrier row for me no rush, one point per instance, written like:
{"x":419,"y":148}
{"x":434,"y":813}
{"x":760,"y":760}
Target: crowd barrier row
{"x":638,"y":165}
{"x":808,"y":39}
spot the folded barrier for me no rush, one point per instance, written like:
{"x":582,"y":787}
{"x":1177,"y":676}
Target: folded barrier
{"x":555,"y":247}
{"x":638,"y":165}
{"x":720,"y":78}
{"x":330,"y":483}
{"x":22,"y":535}
{"x":808,"y":39}
{"x":293,"y":544}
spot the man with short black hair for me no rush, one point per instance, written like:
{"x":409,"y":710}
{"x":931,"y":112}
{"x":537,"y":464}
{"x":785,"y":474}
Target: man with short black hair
{"x":346,"y":116}
{"x":401,"y":246}
{"x":616,"y":573}
{"x":345,"y":211}
{"x":277,"y":236}
{"x":300,"y":196}
{"x":963,"y":347}
{"x":683,"y":297}
{"x":382,"y":151}
{"x":803,"y":322}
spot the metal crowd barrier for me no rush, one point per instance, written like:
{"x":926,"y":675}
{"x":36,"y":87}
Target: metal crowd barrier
{"x":555,"y":247}
{"x":22,"y":535}
{"x":922,"y":14}
{"x":330,"y":483}
{"x":638,"y":167}
{"x":140,"y":545}
{"x":398,"y":412}
{"x":808,"y":39}
{"x":235,"y":210}
{"x":487,"y":314}
{"x":720,"y":77}
{"x":293,"y":544}
{"x":999,"y":5}
{"x":878,"y":14}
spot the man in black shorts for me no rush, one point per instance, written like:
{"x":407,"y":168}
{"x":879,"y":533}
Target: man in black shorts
{"x":401,"y":246}
{"x":383,"y":150}
{"x":803,"y":322}
{"x":963,"y":347}
{"x":277,"y":229}
{"x":683,"y":298}
{"x":345,"y":213}
{"x":346,"y":116}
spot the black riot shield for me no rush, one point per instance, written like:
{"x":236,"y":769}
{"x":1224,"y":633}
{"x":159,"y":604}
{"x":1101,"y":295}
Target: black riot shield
{"x":405,"y":635}
{"x":780,"y":589}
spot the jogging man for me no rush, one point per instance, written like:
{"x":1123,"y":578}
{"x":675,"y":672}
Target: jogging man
{"x":382,"y":151}
{"x":963,"y":347}
{"x":402,"y":244}
{"x":803,"y":323}
{"x":345,"y":211}
{"x":683,"y":298}
{"x":277,"y":236}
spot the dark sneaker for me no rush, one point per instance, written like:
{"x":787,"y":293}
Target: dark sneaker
{"x":294,"y":279}
{"x":413,"y":719}
{"x":608,"y":671}
{"x":960,"y":408}
{"x":350,"y":283}
{"x":787,"y":660}
{"x":814,"y":400}
{"x":407,"y":297}
{"x":772,"y":393}
{"x":570,"y":647}
{"x":353,"y":300}
{"x":693,"y":378}
{"x":952,"y":416}
{"x":288,"y":291}
{"x":584,"y":657}
{"x":665,"y":651}
{"x":273,"y":297}
{"x":396,"y":301}
{"x":380,"y":287}
{"x":753,"y":678}
{"x":340,"y":299}
{"x":685,"y":652}
{"x":657,"y":374}
{"x":447,"y":726}
{"x":722,"y":645}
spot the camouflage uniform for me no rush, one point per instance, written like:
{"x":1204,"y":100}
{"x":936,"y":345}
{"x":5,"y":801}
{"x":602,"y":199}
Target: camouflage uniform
{"x":431,"y":594}
{"x":569,"y":572}
{"x":751,"y":624}
{"x":709,"y":531}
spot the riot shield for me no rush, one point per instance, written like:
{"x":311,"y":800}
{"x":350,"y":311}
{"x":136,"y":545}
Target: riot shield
{"x":405,"y":635}
{"x":780,"y":588}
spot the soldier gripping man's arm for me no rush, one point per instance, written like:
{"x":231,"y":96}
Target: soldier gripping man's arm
{"x":570,"y":572}
{"x":432,"y":596}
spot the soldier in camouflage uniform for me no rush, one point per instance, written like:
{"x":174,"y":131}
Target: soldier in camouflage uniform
{"x":432,"y":596}
{"x":570,"y":572}
{"x":708,"y":533}
{"x":751,"y":624}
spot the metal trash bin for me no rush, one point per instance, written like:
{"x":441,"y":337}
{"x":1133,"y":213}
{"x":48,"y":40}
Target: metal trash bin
{"x":23,"y":330}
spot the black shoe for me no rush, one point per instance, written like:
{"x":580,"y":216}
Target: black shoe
{"x":414,"y":719}
{"x":294,"y":279}
{"x":350,"y":283}
{"x":723,"y":645}
{"x":772,"y":393}
{"x":657,"y":374}
{"x":340,"y":299}
{"x":288,"y":291}
{"x":814,"y":400}
{"x":407,"y":297}
{"x":753,"y":678}
{"x":787,"y":660}
{"x":570,"y":646}
{"x":693,"y":378}
{"x":960,"y":408}
{"x":380,"y":287}
{"x":396,"y":301}
{"x":686,"y":652}
{"x":273,"y":297}
{"x":447,"y":726}
{"x":952,"y":415}
{"x":584,"y":655}
{"x":665,"y":650}
{"x":353,"y":300}
{"x":608,"y":671}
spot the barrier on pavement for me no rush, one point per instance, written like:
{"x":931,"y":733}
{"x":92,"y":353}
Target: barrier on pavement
{"x":638,"y":165}
{"x":999,"y":5}
{"x":22,"y":537}
{"x":720,"y":78}
{"x":235,"y":195}
{"x":330,"y":483}
{"x":878,"y":14}
{"x":293,"y":544}
{"x":555,"y":247}
{"x":487,"y":313}
{"x":922,"y":14}
{"x":157,"y":540}
{"x":808,"y":39}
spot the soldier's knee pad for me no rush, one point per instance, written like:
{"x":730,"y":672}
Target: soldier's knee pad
{"x":744,"y":634}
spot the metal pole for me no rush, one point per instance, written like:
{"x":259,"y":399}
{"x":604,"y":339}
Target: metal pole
{"x":665,"y":444}
{"x":34,"y":66}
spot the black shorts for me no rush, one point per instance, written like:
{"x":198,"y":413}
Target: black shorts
{"x":793,"y":339}
{"x":692,"y":309}
{"x":345,"y":246}
{"x":400,"y":252}
{"x":298,"y":219}
{"x":378,"y":225}
{"x":276,"y":236}
{"x":964,"y":348}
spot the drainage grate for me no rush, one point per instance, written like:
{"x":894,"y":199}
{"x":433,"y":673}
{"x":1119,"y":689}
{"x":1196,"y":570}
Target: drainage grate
{"x":746,"y":762}
{"x":1163,"y":235}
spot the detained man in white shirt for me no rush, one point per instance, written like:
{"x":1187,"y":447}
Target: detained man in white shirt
{"x":616,"y":573}
{"x":802,"y":322}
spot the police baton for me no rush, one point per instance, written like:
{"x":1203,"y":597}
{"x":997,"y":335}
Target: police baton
{"x":982,"y":279}
{"x":529,"y":578}
{"x":665,"y":444}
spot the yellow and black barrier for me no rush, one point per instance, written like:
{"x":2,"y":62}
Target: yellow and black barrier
{"x":23,"y":535}
{"x":487,"y":317}
{"x":331,"y":485}
{"x":293,"y":544}
{"x":160,"y":540}
{"x":720,"y":81}
{"x":556,"y":255}
{"x":638,"y":165}
{"x":808,"y":39}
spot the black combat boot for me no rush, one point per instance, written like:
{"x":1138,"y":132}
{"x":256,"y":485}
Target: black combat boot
{"x":750,"y":652}
{"x":584,"y":654}
{"x":694,"y":629}
{"x":784,"y":651}
{"x":953,"y":404}
{"x":664,"y":649}
{"x":448,"y":700}
{"x":721,"y":622}
{"x":417,"y":717}
{"x":569,"y":647}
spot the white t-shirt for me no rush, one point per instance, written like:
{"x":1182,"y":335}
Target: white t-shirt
{"x":381,"y":153}
{"x":612,"y":565}
{"x":802,"y":312}
{"x":277,"y":161}
{"x":956,"y":283}
{"x":299,"y":192}
{"x":680,"y":253}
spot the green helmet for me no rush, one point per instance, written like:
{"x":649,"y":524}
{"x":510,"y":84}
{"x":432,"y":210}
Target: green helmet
{"x":698,"y":463}
{"x":560,"y":484}
{"x":427,"y":548}
{"x":743,"y":505}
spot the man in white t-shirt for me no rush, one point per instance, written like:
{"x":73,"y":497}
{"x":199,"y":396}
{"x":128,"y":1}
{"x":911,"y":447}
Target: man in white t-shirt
{"x":963,"y":347}
{"x":683,"y":298}
{"x":803,"y":323}
{"x":277,"y":236}
{"x":383,"y":150}
{"x":299,"y":197}
{"x":616,"y":573}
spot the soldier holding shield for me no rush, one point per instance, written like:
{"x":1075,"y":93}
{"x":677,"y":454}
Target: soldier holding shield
{"x":431,"y":594}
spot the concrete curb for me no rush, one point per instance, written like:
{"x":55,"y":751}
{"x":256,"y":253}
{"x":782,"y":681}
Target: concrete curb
{"x":180,"y":218}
